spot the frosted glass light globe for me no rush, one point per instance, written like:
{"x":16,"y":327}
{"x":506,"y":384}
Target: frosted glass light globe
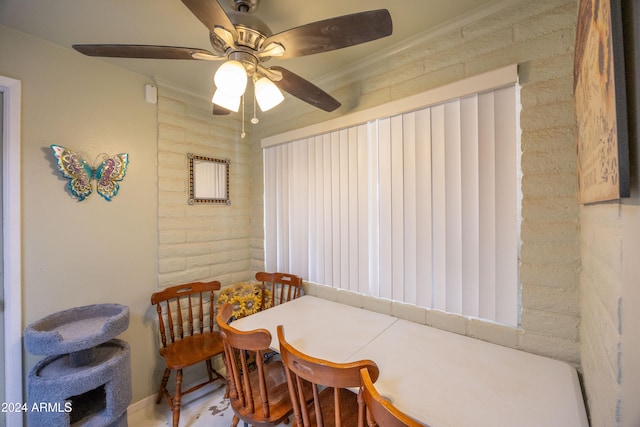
{"x":231,"y":103}
{"x":231,"y":78}
{"x":267,"y":94}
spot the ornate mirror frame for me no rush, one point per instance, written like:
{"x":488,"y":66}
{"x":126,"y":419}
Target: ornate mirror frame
{"x":208,"y":180}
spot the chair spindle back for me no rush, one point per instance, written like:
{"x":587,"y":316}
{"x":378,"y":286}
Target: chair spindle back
{"x":283,"y":287}
{"x":330,"y":397}
{"x":184,"y":310}
{"x":257,"y":390}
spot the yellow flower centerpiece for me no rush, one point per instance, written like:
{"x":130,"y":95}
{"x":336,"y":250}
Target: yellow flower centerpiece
{"x":245,"y":297}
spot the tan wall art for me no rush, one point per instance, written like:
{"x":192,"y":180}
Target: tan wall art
{"x":599,"y":87}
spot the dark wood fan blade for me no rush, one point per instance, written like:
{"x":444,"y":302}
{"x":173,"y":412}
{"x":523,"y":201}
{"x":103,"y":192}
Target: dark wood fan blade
{"x":143,"y":51}
{"x":212,"y":15}
{"x":305,"y":90}
{"x":219,"y":111}
{"x":334,"y":33}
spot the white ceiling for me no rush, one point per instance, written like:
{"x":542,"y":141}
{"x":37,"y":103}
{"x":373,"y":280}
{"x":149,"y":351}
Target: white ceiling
{"x":169,"y":22}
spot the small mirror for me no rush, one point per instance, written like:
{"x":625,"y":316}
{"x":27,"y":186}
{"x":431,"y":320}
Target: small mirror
{"x":208,"y":180}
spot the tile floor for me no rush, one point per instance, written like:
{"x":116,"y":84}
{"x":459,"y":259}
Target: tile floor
{"x":205,"y":407}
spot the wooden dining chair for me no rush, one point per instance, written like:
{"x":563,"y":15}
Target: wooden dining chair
{"x":187,"y":335}
{"x":258,"y":393}
{"x":279,"y":287}
{"x":380,"y":412}
{"x":331,"y":404}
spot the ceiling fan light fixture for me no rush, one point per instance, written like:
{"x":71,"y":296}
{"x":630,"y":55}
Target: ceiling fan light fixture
{"x":230,"y":102}
{"x":245,"y":41}
{"x":231,"y":78}
{"x":267,"y":94}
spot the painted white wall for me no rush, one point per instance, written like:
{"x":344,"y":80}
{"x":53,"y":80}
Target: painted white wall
{"x":80,"y":253}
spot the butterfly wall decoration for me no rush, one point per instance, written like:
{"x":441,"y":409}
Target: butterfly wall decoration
{"x":76,"y":167}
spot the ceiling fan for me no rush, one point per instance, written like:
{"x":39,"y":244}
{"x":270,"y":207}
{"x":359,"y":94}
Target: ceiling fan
{"x":243,"y":39}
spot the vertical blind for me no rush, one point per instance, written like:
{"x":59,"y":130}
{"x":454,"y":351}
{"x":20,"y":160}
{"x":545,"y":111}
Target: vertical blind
{"x":420,"y":207}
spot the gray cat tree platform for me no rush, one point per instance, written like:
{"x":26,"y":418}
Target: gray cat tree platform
{"x":86,"y":378}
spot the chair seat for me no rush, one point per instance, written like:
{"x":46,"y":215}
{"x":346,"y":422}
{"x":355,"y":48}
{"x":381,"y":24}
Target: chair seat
{"x":192,"y":349}
{"x":279,"y":401}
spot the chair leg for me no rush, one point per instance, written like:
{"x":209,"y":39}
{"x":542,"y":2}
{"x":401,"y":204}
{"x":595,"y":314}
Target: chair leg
{"x":163,"y":384}
{"x":176,"y":398}
{"x":210,"y":370}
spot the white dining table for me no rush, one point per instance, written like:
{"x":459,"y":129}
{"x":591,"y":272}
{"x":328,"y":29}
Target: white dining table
{"x":437,"y":377}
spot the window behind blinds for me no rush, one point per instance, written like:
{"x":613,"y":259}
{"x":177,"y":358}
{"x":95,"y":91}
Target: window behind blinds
{"x":420,"y":207}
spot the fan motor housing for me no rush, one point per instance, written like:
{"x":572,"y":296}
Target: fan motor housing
{"x":252,"y":32}
{"x":249,"y":37}
{"x":244,"y":5}
{"x":248,"y":60}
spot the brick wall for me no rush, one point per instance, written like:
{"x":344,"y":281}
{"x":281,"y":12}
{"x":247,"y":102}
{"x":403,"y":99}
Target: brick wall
{"x":200,"y":242}
{"x":601,"y":302}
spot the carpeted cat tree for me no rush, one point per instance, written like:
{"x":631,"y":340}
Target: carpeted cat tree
{"x":86,"y":378}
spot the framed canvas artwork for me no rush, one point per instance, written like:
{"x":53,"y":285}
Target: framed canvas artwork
{"x":601,"y":108}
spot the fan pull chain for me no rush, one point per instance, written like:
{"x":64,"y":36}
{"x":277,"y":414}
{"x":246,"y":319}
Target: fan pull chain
{"x":255,"y":119}
{"x":243,"y":133}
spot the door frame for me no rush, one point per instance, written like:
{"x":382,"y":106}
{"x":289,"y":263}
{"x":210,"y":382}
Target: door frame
{"x":12,"y":244}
